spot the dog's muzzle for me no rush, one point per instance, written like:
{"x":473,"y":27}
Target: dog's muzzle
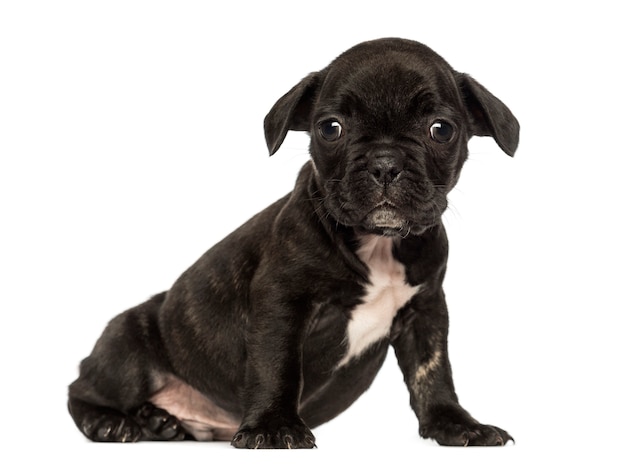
{"x":382,"y":192}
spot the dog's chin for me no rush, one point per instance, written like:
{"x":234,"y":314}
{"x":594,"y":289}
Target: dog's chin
{"x":385,"y":217}
{"x":388,"y":221}
{"x":384,"y":220}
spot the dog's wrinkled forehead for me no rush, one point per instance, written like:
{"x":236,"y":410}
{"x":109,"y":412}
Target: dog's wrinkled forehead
{"x":379,"y":81}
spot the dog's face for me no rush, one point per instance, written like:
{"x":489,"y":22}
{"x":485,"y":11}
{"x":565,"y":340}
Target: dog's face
{"x":389,"y":123}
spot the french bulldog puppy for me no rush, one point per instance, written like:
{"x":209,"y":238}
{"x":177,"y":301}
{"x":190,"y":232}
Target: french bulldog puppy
{"x":283,"y":324}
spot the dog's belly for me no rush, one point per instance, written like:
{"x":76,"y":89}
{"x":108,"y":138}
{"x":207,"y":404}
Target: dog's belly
{"x":199,"y":415}
{"x":386,"y":293}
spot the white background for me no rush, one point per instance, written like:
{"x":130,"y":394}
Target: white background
{"x":131,"y":140}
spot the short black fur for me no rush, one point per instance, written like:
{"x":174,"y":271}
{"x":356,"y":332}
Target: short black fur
{"x":256,"y":330}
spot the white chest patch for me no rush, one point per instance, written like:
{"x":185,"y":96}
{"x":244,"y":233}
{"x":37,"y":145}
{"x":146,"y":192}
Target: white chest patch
{"x":386,"y":293}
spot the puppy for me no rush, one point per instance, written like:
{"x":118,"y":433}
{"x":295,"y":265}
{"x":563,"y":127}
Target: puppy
{"x":282,"y":325}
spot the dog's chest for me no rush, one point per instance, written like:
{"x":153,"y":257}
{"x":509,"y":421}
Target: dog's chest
{"x":386,"y":293}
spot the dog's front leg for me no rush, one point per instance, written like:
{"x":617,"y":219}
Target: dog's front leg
{"x":420,"y":343}
{"x":273,"y":379}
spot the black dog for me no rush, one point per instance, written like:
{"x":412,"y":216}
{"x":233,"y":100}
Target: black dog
{"x":285,"y":323}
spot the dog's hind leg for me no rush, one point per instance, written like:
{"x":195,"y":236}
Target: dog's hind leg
{"x":102,"y":424}
{"x":109,"y":400}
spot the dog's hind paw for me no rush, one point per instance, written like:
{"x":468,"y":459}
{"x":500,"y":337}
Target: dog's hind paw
{"x":111,"y":428}
{"x":158,"y":424}
{"x":146,"y":423}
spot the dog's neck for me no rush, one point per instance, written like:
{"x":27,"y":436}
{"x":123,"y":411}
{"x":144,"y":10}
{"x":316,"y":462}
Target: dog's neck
{"x":386,"y":292}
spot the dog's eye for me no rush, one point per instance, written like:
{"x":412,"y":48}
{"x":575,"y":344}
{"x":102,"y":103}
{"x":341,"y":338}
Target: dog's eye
{"x":330,"y":130}
{"x":442,"y":131}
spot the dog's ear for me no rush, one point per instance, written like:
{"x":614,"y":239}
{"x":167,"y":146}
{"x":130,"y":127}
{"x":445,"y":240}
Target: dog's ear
{"x":489,"y":116}
{"x":291,"y":112}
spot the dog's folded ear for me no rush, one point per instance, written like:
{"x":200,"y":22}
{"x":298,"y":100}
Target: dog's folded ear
{"x":489,"y":116}
{"x":291,"y":112}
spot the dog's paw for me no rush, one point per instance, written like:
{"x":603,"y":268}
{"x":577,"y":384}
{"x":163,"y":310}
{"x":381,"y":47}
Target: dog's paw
{"x":274,"y":434}
{"x":109,"y":427}
{"x":158,"y":424}
{"x":454,"y":427}
{"x":459,"y":435}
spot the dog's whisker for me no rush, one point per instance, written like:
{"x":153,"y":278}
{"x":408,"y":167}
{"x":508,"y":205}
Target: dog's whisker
{"x":452,"y":209}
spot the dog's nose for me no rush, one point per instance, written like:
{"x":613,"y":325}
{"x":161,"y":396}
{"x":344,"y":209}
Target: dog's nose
{"x":385,"y":166}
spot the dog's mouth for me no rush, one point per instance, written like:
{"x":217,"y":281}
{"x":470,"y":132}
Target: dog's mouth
{"x":402,"y":211}
{"x":387,"y":219}
{"x":385,"y":215}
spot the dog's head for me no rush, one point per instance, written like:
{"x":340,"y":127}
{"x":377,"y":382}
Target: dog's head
{"x":389,"y":122}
